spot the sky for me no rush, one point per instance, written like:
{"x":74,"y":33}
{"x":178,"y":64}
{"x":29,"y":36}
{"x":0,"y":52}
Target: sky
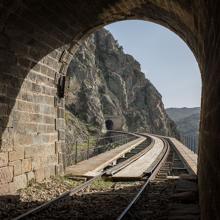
{"x":165,"y":59}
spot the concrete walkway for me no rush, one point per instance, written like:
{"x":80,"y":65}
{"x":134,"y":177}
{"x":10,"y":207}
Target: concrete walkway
{"x":138,"y":167}
{"x":94,"y":165}
{"x":189,"y":157}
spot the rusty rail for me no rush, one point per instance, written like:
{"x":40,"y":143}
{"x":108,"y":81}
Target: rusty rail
{"x":151,"y":177}
{"x":67,"y":193}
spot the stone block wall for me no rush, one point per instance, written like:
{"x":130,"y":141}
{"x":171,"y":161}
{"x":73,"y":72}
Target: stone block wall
{"x":33,"y":132}
{"x":37,"y":40}
{"x":34,"y":56}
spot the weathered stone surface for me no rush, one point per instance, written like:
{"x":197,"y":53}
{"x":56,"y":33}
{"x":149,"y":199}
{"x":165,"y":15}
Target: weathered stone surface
{"x":59,"y":170}
{"x":32,"y":151}
{"x":52,"y":170}
{"x":4,"y":189}
{"x":3,"y":159}
{"x":21,"y":139}
{"x":59,"y":102}
{"x":6,"y":174}
{"x":30,"y":176}
{"x":7,"y":140}
{"x":16,"y":154}
{"x":58,"y":146}
{"x":39,"y":162}
{"x":52,"y":159}
{"x":47,"y":172}
{"x":26,"y":165}
{"x":19,"y":182}
{"x":40,"y":150}
{"x":60,"y":112}
{"x":39,"y":174}
{"x":60,"y":158}
{"x":61,"y":134}
{"x":17,"y":167}
{"x":60,"y":123}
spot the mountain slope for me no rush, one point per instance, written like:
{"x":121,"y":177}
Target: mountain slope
{"x":189,"y":126}
{"x":105,"y":83}
{"x":186,"y":119}
{"x":177,"y":114}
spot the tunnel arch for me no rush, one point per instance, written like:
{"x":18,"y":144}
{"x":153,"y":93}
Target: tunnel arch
{"x":109,"y":124}
{"x":36,"y":47}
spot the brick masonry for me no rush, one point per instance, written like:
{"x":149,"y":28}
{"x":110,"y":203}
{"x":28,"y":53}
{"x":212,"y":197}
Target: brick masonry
{"x":36,"y":45}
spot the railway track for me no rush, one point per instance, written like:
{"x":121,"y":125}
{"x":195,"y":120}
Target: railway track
{"x":122,"y":163}
{"x":161,"y":199}
{"x":158,"y":174}
{"x":121,"y":202}
{"x":155,"y":171}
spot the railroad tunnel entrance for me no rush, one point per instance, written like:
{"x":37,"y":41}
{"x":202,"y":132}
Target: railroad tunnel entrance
{"x":36,"y":47}
{"x":109,"y":124}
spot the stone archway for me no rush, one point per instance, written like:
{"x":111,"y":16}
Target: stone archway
{"x":109,"y":124}
{"x":37,"y":42}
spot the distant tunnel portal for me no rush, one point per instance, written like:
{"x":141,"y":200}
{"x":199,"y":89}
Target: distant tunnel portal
{"x":109,"y":124}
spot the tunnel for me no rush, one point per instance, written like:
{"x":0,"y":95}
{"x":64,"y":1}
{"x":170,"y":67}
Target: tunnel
{"x":109,"y":124}
{"x":38,"y":40}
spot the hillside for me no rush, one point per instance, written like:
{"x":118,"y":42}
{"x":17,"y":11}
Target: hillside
{"x":105,"y":83}
{"x":186,"y":119}
{"x":179,"y":113}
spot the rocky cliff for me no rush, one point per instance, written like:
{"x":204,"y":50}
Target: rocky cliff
{"x":107,"y":84}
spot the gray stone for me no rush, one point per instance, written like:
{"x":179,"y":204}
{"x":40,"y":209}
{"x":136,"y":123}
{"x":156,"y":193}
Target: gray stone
{"x":26,"y":165}
{"x":17,"y":167}
{"x":3,"y":159}
{"x":30,"y":176}
{"x":6,"y":174}
{"x":19,"y":182}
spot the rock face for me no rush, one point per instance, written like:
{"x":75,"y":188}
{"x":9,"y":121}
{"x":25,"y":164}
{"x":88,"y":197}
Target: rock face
{"x":107,"y":84}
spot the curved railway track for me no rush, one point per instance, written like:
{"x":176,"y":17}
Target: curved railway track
{"x":130,"y":197}
{"x":152,"y":176}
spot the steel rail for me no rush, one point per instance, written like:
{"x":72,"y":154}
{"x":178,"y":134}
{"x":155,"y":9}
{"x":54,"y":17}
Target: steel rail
{"x":151,"y":177}
{"x":67,"y":193}
{"x":130,"y":160}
